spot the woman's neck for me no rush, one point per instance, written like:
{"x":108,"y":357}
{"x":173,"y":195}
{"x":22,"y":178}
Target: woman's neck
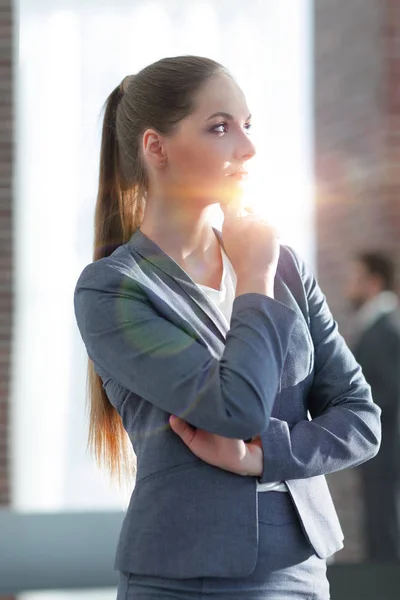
{"x":186,"y":236}
{"x":182,"y":231}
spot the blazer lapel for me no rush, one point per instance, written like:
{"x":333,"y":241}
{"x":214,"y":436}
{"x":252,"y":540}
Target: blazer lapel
{"x":150,"y":251}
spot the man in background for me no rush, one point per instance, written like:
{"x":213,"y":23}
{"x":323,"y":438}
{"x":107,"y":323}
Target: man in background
{"x":377,"y":350}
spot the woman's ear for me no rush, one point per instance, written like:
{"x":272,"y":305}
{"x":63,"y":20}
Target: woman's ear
{"x":153,"y":149}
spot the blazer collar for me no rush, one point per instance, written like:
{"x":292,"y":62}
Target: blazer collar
{"x":150,"y":251}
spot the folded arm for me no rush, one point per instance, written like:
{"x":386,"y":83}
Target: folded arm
{"x":159,"y":361}
{"x":345,"y":427}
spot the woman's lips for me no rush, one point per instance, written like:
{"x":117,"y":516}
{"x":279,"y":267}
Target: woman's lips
{"x":241,"y":174}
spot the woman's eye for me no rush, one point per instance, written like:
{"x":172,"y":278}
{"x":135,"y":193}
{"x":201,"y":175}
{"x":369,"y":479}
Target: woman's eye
{"x":223,"y":128}
{"x":220,"y":128}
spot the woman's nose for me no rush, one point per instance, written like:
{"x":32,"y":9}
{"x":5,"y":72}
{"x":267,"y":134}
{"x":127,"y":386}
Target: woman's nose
{"x":245,"y":148}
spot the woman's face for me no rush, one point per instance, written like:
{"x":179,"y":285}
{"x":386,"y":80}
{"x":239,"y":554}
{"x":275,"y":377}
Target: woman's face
{"x":206,"y":155}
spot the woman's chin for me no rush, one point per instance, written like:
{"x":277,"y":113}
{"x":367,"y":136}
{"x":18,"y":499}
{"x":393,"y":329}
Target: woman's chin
{"x":234,"y":192}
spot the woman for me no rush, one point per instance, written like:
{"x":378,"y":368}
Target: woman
{"x":200,"y":340}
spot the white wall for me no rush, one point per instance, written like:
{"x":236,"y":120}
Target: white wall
{"x":72,"y":54}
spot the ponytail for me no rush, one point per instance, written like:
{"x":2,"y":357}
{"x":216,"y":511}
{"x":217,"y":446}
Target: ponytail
{"x":119,"y":211}
{"x":120,"y":204}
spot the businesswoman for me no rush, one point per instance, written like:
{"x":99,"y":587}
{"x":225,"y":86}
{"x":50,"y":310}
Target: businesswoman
{"x":215,"y":352}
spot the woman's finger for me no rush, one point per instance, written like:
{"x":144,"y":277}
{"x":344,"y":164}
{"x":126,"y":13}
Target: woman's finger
{"x":183,"y":429}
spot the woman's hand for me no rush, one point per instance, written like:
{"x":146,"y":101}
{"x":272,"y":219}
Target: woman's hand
{"x":236,"y":456}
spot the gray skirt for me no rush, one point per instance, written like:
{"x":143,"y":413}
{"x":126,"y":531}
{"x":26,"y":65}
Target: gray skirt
{"x":287,"y":567}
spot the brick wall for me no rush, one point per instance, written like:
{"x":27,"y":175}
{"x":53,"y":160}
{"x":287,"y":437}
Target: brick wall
{"x":357,"y":144}
{"x":6,"y":256}
{"x":6,"y":153}
{"x":391,"y":185}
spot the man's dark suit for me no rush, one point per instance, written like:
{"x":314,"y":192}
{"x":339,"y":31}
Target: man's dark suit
{"x":378,"y":353}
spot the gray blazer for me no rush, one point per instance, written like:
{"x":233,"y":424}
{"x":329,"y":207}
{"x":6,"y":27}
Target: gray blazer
{"x":161,"y":348}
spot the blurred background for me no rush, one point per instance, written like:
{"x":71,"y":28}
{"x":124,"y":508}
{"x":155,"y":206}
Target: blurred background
{"x":322,"y":82}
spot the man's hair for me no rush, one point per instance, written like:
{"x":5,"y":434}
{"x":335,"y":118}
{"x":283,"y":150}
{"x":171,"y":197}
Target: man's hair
{"x":379,"y":264}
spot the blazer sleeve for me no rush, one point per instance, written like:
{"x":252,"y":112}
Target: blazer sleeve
{"x":160,"y":362}
{"x":345,"y":428}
